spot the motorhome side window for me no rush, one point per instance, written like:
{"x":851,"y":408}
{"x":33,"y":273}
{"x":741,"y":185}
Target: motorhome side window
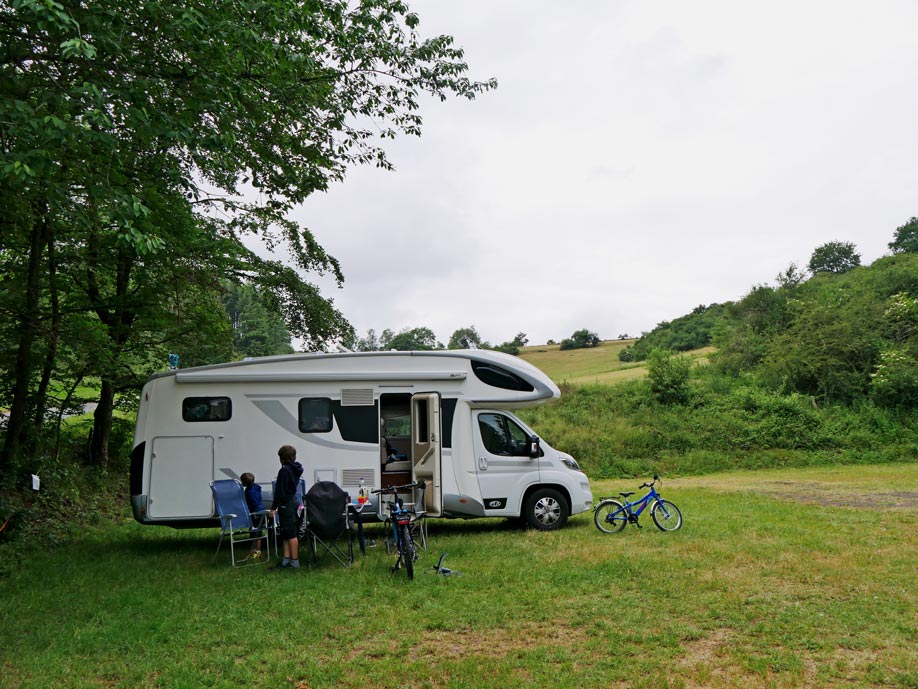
{"x":501,"y":436}
{"x":207,"y":409}
{"x":498,"y":377}
{"x":315,"y":415}
{"x":423,"y":434}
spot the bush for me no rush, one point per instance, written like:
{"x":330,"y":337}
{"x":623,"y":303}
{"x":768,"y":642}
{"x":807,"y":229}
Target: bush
{"x":669,"y":376}
{"x":692,"y":331}
{"x":580,"y":340}
{"x":895,"y":382}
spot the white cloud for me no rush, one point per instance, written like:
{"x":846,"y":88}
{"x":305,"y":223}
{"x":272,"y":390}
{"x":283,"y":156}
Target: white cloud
{"x":637,"y":159}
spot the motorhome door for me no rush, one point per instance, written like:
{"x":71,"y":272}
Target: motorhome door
{"x":503,"y":463}
{"x":426,"y":442}
{"x":181,"y":469}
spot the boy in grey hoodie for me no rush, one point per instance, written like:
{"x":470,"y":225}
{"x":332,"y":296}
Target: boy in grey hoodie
{"x":286,"y":505}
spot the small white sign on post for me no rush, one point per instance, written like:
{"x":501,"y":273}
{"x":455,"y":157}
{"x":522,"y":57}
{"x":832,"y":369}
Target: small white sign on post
{"x":36,"y":482}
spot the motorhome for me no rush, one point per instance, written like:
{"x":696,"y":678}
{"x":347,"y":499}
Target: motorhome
{"x":378,"y":418}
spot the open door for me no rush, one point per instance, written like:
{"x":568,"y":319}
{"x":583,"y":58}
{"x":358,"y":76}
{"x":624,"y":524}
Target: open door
{"x":425,"y":448}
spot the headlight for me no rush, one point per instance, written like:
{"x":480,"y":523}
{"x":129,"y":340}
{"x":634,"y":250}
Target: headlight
{"x":570,"y":463}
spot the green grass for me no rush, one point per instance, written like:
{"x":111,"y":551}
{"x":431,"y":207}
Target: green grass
{"x":621,"y":430}
{"x":759,"y":588}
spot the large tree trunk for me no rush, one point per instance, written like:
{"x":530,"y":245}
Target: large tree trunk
{"x":119,"y":319}
{"x":102,"y":425}
{"x":17,"y":430}
{"x":54,"y":336}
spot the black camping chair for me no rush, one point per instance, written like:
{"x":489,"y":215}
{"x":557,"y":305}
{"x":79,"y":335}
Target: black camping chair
{"x":327,"y":523}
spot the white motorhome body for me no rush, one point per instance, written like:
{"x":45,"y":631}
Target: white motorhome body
{"x":386,"y":417}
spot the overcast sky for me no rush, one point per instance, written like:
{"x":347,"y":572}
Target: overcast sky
{"x":636,"y":160}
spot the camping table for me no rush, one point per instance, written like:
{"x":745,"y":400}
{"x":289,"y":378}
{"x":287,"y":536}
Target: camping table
{"x":355,"y":508}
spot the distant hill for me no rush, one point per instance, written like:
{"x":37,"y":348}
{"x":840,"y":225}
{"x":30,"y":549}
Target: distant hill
{"x":599,"y":364}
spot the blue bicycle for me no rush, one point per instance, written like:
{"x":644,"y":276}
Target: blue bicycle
{"x":611,"y":516}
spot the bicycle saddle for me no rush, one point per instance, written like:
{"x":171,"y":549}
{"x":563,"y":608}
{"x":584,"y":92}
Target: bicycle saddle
{"x":625,"y":495}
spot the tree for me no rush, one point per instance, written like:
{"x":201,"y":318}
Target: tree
{"x":827,"y":351}
{"x":413,"y":339}
{"x":258,"y":330}
{"x":906,"y":238}
{"x":370,"y":343}
{"x":834,"y":257}
{"x":467,"y":338}
{"x":513,"y":346}
{"x":581,"y":339}
{"x":791,"y":277}
{"x":129,"y":132}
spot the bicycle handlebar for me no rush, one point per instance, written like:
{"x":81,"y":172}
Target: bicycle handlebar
{"x":650,"y":485}
{"x":392,"y":490}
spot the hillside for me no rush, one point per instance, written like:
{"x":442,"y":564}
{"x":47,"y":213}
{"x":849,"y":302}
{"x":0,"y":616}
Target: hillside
{"x":599,"y":364}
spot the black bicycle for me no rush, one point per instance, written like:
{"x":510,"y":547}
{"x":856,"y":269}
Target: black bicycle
{"x":402,"y":523}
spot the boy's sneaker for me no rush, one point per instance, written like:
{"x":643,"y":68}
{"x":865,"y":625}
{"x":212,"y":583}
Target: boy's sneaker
{"x":280,"y":565}
{"x":255,"y":554}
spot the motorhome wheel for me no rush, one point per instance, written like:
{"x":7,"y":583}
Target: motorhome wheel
{"x":546,"y":510}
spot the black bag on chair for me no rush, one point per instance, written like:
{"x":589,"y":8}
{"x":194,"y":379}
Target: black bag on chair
{"x":326,"y":521}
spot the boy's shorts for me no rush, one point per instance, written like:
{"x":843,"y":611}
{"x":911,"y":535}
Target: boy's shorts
{"x":289,"y":522}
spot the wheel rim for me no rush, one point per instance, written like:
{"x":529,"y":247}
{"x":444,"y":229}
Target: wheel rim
{"x":667,"y":516}
{"x":604,"y":520}
{"x":547,"y":511}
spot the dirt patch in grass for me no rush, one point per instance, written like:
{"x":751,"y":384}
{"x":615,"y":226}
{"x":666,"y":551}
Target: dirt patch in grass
{"x":824,"y":494}
{"x":705,"y":663}
{"x":708,"y":663}
{"x":499,"y":643}
{"x":882,"y":487}
{"x":494,"y":643}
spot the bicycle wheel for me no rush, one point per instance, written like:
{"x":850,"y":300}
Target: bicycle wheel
{"x":406,"y":549}
{"x":666,"y":515}
{"x":610,"y":516}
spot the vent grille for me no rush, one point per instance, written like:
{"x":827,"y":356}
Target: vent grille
{"x":350,"y":478}
{"x":357,"y":397}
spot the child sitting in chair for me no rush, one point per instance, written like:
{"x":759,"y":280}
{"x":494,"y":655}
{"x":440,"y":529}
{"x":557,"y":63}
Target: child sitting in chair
{"x":253,"y":500}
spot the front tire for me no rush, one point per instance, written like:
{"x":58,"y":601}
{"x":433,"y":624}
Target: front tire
{"x":666,"y":515}
{"x":406,"y":548}
{"x":610,"y":516}
{"x":546,"y":510}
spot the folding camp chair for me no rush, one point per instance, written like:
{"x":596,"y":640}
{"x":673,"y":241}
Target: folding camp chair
{"x":237,"y":524}
{"x":327,"y":522}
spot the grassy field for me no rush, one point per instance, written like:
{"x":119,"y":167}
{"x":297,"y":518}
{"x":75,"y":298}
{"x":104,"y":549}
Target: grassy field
{"x":780,"y":578}
{"x":592,"y":365}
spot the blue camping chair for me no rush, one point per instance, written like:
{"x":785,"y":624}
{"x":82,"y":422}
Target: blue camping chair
{"x":237,"y":524}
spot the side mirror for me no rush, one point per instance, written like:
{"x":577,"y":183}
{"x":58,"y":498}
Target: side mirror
{"x":535,"y":448}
